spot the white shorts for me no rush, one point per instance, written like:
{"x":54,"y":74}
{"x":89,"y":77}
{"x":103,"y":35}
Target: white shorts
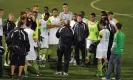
{"x":89,"y":42}
{"x":101,"y":54}
{"x":45,"y":42}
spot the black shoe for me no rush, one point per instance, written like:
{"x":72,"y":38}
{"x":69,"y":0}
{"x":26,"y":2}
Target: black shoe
{"x":12,"y":77}
{"x":50,"y":59}
{"x":19,"y":77}
{"x":82,"y":65}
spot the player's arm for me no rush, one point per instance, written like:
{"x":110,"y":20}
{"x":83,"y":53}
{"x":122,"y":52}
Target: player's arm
{"x":114,"y":42}
{"x":58,"y":33}
{"x":99,"y":38}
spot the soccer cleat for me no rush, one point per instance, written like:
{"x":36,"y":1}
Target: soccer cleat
{"x":26,"y":76}
{"x":65,"y":74}
{"x":58,"y":73}
{"x":40,"y":74}
{"x":6,"y":64}
{"x":99,"y":74}
{"x":74,"y":63}
{"x":104,"y":78}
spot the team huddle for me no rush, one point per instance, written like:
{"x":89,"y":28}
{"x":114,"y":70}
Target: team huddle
{"x":30,"y":40}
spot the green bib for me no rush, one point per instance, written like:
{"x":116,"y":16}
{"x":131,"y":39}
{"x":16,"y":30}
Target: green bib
{"x":93,"y":31}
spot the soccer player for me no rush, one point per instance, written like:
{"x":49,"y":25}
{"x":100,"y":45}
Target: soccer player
{"x":8,"y":26}
{"x":32,"y":54}
{"x":53,"y":24}
{"x":117,"y":51}
{"x":103,"y":14}
{"x":36,"y":9}
{"x":111,"y":28}
{"x":93,"y":34}
{"x":111,"y":18}
{"x":19,"y":42}
{"x":66,"y":14}
{"x":80,"y":34}
{"x":102,"y":47}
{"x":1,"y":28}
{"x":44,"y":41}
{"x":21,"y":15}
{"x":46,"y":10}
{"x":66,"y":38}
{"x":74,"y":20}
{"x":84,"y":19}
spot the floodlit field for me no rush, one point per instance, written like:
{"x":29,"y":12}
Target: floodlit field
{"x":124,"y":14}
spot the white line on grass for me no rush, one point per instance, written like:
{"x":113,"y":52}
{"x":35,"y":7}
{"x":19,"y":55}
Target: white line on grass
{"x":93,"y":6}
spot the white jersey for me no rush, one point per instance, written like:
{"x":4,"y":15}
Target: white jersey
{"x":72,"y":23}
{"x":44,"y":30}
{"x":1,"y":27}
{"x":113,"y":22}
{"x":85,"y":20}
{"x":104,"y":34}
{"x":67,"y":16}
{"x":52,"y":32}
{"x":32,"y":55}
{"x":44,"y":33}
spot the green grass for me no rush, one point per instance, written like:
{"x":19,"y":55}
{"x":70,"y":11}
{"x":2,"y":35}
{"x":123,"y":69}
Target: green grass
{"x":80,"y":73}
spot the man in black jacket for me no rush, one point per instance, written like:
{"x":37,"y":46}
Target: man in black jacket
{"x":19,"y":45}
{"x":66,"y":36}
{"x":8,"y":26}
{"x":81,"y":32}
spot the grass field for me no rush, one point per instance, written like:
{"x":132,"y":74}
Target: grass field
{"x":80,"y":73}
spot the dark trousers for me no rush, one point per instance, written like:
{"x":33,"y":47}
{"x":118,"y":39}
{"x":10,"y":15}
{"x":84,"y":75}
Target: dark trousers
{"x":80,"y":46}
{"x":67,"y":54}
{"x":0,"y":64}
{"x":0,"y":40}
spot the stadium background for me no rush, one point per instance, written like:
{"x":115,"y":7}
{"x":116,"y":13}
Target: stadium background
{"x":80,"y":73}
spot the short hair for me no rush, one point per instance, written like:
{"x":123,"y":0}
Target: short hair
{"x":27,"y":8}
{"x":79,"y":15}
{"x":75,"y":14}
{"x":104,"y":13}
{"x":1,"y":10}
{"x":46,"y":7}
{"x":22,"y":13}
{"x":93,"y":14}
{"x":102,"y":22}
{"x":54,"y":9}
{"x":47,"y":14}
{"x":82,"y":13}
{"x":110,"y":13}
{"x":35,"y":5}
{"x":119,"y":26}
{"x":65,"y":4}
{"x":11,"y":14}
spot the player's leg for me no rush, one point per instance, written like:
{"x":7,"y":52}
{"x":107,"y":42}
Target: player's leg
{"x":26,"y":68}
{"x":111,"y":64}
{"x":14,"y":61}
{"x":118,"y":68}
{"x":99,"y":56}
{"x":59,"y":62}
{"x":67,"y":54}
{"x":21,"y":63}
{"x":77,"y":54}
{"x":83,"y":50}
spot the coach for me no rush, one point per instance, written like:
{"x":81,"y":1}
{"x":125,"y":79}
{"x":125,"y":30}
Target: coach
{"x":80,"y":34}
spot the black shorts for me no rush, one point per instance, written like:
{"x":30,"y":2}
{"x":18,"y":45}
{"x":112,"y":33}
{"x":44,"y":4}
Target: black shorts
{"x":18,"y":60}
